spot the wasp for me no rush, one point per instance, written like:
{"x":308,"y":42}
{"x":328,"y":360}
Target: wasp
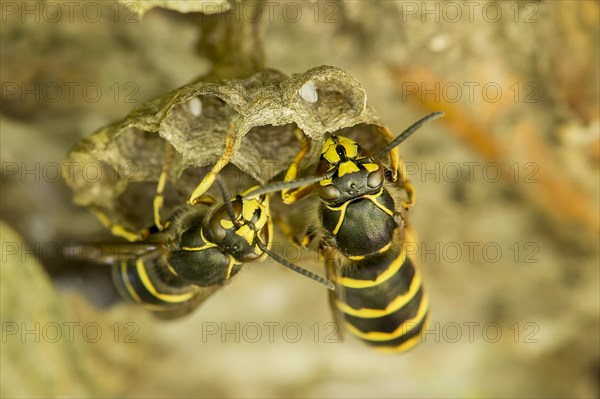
{"x":178,"y":264}
{"x":361,"y":235}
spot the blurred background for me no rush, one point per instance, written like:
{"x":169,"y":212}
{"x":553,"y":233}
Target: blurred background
{"x":507,"y":188}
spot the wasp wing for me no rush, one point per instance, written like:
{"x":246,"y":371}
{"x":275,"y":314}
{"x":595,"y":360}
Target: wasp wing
{"x":332,"y":266}
{"x":109,"y":253}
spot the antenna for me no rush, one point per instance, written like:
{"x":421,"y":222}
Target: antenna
{"x":227,"y":201}
{"x":305,"y":181}
{"x":282,"y":185}
{"x":408,"y":132}
{"x":296,"y":268}
{"x":278,"y":259}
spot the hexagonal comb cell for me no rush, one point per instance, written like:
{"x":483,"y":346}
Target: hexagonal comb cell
{"x":248,"y":123}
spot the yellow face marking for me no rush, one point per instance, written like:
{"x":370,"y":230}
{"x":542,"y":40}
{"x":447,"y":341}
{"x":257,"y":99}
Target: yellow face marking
{"x":370,"y":167}
{"x":389,"y":272}
{"x":248,"y":209}
{"x":402,"y":329}
{"x":347,"y":168}
{"x":329,"y":149}
{"x":171,"y":298}
{"x":325,"y":182}
{"x":328,"y":152}
{"x":269,"y":243}
{"x":262,"y":220}
{"x":246,"y":233}
{"x":226,"y":224}
{"x":397,"y":303}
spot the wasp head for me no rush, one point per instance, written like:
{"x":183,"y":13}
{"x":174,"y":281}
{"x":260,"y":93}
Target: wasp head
{"x":237,"y":237}
{"x":354,"y":172}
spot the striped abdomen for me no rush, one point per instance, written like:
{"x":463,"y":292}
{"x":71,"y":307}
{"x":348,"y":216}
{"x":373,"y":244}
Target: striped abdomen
{"x":150,"y":284}
{"x":382,"y":299}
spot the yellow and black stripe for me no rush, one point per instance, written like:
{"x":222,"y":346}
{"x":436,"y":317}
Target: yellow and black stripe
{"x":199,"y":252}
{"x":379,"y":289}
{"x":150,"y":284}
{"x":382,"y":299}
{"x":362,"y":238}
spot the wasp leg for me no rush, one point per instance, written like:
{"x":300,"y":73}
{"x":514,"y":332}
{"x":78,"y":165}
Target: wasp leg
{"x":331,"y":262}
{"x":206,"y":199}
{"x":400,"y":221}
{"x":209,"y":179}
{"x":397,"y":167}
{"x":287,"y":230}
{"x":162,"y":181}
{"x":308,"y":237}
{"x":403,"y":184}
{"x":394,"y":154}
{"x":290,"y":196}
{"x":410,"y":191}
{"x":117,"y":229}
{"x":269,"y":224}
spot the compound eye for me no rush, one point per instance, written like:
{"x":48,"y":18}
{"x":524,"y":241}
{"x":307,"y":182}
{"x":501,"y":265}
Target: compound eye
{"x":375,"y":178}
{"x":218,"y":231}
{"x":329,"y":192}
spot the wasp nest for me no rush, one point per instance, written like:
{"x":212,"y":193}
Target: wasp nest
{"x":117,"y":167}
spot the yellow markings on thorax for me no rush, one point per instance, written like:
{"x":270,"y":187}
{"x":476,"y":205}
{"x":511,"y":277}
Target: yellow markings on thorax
{"x":402,"y":329}
{"x":388,"y":273}
{"x":171,"y":298}
{"x":379,"y":251}
{"x":373,"y":199}
{"x":329,"y":151}
{"x":230,"y":267}
{"x":202,"y":248}
{"x":399,"y":302}
{"x":342,"y":209}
